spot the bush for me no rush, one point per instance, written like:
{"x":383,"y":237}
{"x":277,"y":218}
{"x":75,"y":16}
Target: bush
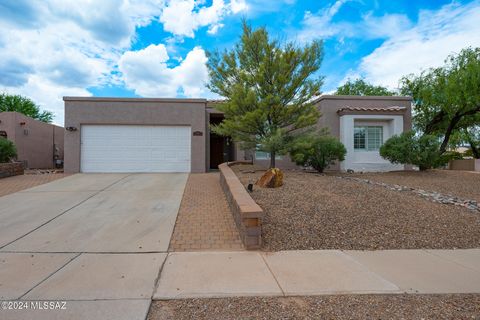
{"x":7,"y":150}
{"x":407,"y":148}
{"x":317,"y":151}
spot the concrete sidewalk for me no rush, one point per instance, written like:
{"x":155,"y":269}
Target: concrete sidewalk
{"x":224,"y":274}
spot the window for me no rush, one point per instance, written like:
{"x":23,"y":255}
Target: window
{"x":368,"y":138}
{"x":262,"y":155}
{"x":359,"y":138}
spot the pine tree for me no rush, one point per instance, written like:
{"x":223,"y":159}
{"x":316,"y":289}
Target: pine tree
{"x":268,"y":87}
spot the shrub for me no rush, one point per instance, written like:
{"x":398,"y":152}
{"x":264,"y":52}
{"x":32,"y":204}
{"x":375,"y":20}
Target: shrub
{"x":7,"y":150}
{"x":407,"y":148}
{"x":317,"y":151}
{"x":468,"y":153}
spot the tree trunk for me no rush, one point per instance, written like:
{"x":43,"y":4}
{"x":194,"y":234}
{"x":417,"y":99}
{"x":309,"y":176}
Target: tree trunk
{"x":453,"y":123}
{"x":272,"y":159}
{"x":451,"y":126}
{"x":432,"y":125}
{"x":475,"y":149}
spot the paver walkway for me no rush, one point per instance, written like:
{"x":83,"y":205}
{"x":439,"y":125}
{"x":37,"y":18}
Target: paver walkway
{"x":204,"y":220}
{"x":291,"y":273}
{"x":18,"y":183}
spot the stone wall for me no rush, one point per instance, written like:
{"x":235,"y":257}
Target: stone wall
{"x":11,"y":169}
{"x":246,"y":212}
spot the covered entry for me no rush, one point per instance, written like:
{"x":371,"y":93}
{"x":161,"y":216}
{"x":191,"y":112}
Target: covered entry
{"x":221,"y":148}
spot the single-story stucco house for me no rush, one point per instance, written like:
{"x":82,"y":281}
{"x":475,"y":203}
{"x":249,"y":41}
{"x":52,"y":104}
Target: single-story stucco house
{"x":39,"y":144}
{"x":172,"y":135}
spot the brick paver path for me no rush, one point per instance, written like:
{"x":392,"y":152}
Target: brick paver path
{"x":204,"y":220}
{"x":19,"y":183}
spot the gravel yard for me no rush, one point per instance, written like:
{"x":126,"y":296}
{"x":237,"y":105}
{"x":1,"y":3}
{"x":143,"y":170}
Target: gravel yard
{"x":457,"y":183}
{"x":466,"y":306}
{"x":313,"y":211}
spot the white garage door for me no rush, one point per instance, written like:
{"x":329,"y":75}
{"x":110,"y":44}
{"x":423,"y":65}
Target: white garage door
{"x":128,"y":148}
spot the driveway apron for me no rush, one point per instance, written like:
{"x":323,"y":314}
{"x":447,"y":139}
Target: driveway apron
{"x":135,"y":214}
{"x":96,"y":241}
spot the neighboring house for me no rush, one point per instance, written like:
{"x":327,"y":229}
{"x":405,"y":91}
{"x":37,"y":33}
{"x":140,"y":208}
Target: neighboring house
{"x":172,"y":135}
{"x":38,"y":144}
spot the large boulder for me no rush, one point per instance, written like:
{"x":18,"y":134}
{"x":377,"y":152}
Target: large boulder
{"x":273,"y":178}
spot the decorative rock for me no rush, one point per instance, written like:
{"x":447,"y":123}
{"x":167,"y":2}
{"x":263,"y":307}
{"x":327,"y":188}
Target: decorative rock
{"x":11,"y":169}
{"x":273,"y":178}
{"x":432,"y":196}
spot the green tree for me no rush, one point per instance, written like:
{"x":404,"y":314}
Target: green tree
{"x":317,"y":151}
{"x":408,"y":148}
{"x":268,"y":89}
{"x":467,"y":136}
{"x":7,"y":150}
{"x":360,"y":87}
{"x":447,"y":98}
{"x":24,"y":105}
{"x":472,"y":137}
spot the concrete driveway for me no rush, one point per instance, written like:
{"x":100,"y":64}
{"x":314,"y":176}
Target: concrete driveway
{"x":85,"y":238}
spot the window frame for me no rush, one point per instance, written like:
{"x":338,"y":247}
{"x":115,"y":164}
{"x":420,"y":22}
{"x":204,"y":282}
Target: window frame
{"x":377,"y":137}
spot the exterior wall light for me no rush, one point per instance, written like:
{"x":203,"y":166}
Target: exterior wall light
{"x":71,"y":129}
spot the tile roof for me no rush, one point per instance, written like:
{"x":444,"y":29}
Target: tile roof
{"x":385,"y":109}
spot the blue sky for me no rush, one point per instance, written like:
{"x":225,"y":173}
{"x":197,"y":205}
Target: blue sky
{"x":157,"y":48}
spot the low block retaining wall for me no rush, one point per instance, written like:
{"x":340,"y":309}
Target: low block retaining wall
{"x":11,"y":169}
{"x":465,"y":164}
{"x":246,"y":212}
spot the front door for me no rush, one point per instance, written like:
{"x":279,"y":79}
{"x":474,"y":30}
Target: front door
{"x":216,"y":150}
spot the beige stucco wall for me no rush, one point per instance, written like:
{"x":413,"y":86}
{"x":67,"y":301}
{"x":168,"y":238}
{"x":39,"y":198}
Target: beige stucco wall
{"x":34,"y":139}
{"x":134,"y":111}
{"x":465,"y":164}
{"x":328,"y":105}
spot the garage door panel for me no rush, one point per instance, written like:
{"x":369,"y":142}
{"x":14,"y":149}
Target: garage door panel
{"x":126,"y":148}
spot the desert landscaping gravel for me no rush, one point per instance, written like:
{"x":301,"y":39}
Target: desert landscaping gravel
{"x":457,"y":183}
{"x":313,"y":211}
{"x":465,"y":306}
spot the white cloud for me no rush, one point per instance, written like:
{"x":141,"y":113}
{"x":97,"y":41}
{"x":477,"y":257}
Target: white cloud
{"x":55,"y":47}
{"x":238,"y":6}
{"x":50,"y":95}
{"x":436,"y":35}
{"x":184,"y":17}
{"x":258,"y":7}
{"x":408,"y":47}
{"x":320,"y":25}
{"x":146,"y":71}
{"x":384,"y":26}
